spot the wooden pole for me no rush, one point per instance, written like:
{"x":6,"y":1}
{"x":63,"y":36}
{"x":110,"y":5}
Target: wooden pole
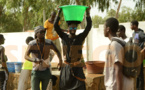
{"x":118,"y":8}
{"x":44,"y":16}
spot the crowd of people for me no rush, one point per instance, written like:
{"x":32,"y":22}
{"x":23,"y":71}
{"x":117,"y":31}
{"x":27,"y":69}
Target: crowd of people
{"x":41,"y":48}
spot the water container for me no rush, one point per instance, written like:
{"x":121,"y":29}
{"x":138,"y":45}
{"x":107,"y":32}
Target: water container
{"x":18,"y":66}
{"x":27,"y":65}
{"x":95,"y":67}
{"x":73,"y":12}
{"x":11,"y":67}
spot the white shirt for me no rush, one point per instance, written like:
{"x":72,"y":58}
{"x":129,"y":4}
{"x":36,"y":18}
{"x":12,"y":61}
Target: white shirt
{"x":113,"y":55}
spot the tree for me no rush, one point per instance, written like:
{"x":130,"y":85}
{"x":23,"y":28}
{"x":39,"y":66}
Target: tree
{"x":138,"y":14}
{"x":118,"y":8}
{"x":96,"y":20}
{"x":110,"y":13}
{"x":125,"y":14}
{"x":140,"y":4}
{"x":26,"y":14}
{"x":8,"y":22}
{"x":102,"y":4}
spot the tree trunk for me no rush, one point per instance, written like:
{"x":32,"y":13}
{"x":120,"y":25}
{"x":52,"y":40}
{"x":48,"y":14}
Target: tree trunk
{"x":83,"y":22}
{"x":44,"y":16}
{"x":25,"y":16}
{"x":118,"y":8}
{"x":25,"y":23}
{"x":82,"y":27}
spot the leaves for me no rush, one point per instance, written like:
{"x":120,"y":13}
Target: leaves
{"x":21,"y":15}
{"x":126,"y":15}
{"x":96,"y":20}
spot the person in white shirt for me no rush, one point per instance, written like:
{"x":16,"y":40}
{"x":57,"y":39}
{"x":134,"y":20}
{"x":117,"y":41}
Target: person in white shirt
{"x":114,"y":78}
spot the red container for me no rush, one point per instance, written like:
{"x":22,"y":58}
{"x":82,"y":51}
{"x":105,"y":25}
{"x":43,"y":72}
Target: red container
{"x":95,"y":67}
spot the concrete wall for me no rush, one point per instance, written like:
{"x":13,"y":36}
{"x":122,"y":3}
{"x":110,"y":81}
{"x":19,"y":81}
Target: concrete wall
{"x":15,"y":46}
{"x":95,"y":48}
{"x":100,"y":42}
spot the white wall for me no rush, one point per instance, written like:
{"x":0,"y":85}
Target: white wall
{"x":15,"y":46}
{"x":15,"y":43}
{"x":100,"y":42}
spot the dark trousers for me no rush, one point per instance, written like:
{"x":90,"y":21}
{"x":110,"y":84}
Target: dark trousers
{"x":37,"y":76}
{"x":83,"y":87}
{"x":140,"y":79}
{"x":3,"y":80}
{"x":68,"y":81}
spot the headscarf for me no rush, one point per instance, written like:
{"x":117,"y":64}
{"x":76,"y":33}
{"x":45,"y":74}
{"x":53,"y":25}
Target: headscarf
{"x":38,"y":29}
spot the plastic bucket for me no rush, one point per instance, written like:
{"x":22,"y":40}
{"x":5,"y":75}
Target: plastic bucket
{"x":11,"y":67}
{"x":27,"y":65}
{"x":73,"y":12}
{"x":18,"y":66}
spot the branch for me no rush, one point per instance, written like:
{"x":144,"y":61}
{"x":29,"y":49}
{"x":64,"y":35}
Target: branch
{"x":78,"y":2}
{"x":118,"y":8}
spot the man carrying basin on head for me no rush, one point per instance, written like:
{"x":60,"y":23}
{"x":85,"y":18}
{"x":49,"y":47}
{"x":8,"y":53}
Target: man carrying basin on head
{"x":72,"y":76}
{"x":39,"y":50}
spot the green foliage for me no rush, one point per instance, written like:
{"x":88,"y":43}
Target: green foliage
{"x":101,"y":4}
{"x":140,"y":4}
{"x":8,"y":22}
{"x":138,"y":14}
{"x":96,"y":20}
{"x":24,"y":14}
{"x":21,"y":15}
{"x":126,"y":15}
{"x":111,"y":13}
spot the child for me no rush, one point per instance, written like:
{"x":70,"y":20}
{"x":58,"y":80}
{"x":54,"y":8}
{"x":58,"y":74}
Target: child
{"x":26,"y":70}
